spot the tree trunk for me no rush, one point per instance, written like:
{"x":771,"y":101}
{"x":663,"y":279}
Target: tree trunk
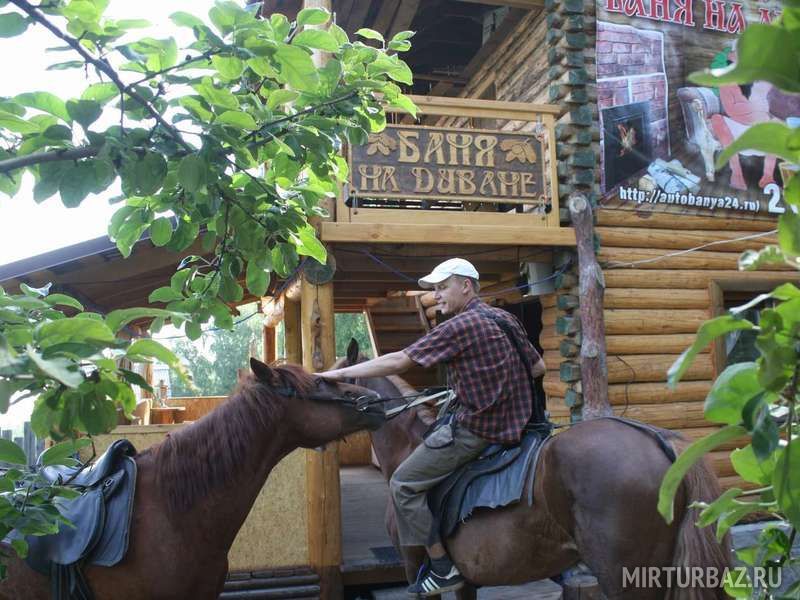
{"x":594,"y":371}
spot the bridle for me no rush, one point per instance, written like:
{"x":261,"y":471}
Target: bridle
{"x":362,"y":402}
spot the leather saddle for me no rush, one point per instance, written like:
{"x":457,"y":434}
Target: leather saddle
{"x":100,"y":518}
{"x":495,"y":479}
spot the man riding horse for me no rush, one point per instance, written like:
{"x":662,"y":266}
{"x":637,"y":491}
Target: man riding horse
{"x":489,"y":365}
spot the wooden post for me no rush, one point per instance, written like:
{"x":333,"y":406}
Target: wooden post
{"x":269,"y":345}
{"x":291,"y":331}
{"x":593,"y":367}
{"x":322,"y":467}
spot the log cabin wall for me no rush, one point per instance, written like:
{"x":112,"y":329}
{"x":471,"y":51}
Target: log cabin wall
{"x":652,"y":309}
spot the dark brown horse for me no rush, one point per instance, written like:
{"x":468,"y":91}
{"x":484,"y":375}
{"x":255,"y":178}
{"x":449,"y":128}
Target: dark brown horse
{"x":195,"y":489}
{"x":595,"y":494}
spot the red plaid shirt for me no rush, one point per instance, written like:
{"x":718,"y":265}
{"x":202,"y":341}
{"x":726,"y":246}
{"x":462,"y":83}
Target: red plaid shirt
{"x":483,"y":368}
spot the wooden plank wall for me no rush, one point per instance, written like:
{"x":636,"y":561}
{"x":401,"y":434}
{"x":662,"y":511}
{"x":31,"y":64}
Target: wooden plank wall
{"x":653,"y":310}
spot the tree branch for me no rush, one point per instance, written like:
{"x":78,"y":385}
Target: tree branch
{"x":102,"y":66}
{"x":38,"y":158}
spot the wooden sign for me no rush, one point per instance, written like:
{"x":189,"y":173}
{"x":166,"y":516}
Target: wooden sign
{"x":435,"y":163}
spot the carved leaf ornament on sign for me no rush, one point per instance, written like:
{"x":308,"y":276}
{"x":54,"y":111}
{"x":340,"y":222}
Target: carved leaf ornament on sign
{"x":449,"y":164}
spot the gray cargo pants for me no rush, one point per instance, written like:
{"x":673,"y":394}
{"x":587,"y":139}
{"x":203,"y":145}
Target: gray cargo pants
{"x":430,"y":463}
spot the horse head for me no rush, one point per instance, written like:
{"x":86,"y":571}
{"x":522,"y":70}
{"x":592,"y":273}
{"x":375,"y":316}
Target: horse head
{"x":319,"y":410}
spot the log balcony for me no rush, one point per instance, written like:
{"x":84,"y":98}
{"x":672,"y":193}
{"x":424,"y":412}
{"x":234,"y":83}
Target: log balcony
{"x":469,"y":171}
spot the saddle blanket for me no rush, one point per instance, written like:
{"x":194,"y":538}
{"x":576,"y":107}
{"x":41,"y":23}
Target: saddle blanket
{"x":495,"y":479}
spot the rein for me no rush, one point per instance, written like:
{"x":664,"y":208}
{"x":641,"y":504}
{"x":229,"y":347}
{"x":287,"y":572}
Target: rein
{"x":363,"y":402}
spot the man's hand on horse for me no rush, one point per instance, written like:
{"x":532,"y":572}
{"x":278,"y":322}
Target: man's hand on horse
{"x":393,"y":363}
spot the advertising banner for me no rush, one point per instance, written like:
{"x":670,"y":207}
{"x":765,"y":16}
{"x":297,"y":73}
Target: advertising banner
{"x":661,"y":134}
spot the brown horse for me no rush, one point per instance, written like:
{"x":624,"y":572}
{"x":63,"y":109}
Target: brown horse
{"x":195,"y":489}
{"x":595,"y":493}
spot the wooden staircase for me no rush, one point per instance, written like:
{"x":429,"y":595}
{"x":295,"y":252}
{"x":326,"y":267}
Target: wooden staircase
{"x":394,"y":324}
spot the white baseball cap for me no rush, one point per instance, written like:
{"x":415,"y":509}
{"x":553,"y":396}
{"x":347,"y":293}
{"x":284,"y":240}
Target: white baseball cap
{"x":454,"y":266}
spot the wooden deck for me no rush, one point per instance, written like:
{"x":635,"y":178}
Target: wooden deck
{"x":368,"y":556}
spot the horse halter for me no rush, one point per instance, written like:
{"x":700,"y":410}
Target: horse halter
{"x":360,"y":402}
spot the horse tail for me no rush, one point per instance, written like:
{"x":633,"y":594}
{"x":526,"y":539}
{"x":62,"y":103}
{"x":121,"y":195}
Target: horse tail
{"x":697,"y":546}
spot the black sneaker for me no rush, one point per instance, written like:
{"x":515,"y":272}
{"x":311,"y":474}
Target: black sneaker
{"x":429,"y":583}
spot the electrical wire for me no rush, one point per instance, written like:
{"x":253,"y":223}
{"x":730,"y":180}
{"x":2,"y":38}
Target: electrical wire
{"x":619,"y":265}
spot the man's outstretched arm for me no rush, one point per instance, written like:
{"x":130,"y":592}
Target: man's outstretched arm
{"x":393,"y":363}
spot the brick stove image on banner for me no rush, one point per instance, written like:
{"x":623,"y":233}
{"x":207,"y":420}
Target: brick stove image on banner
{"x":660,"y":134}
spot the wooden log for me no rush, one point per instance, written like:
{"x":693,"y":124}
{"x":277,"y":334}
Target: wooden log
{"x":655,"y":298}
{"x":322,"y":467}
{"x":630,"y":218}
{"x":646,"y":321}
{"x":638,"y":368}
{"x":292,"y":333}
{"x":651,"y":344}
{"x":735,"y":481}
{"x":623,"y":394}
{"x":683,"y":279}
{"x":663,"y":258}
{"x":653,"y":367}
{"x":682,"y":239}
{"x":547,"y":301}
{"x":668,"y":415}
{"x":693,"y":434}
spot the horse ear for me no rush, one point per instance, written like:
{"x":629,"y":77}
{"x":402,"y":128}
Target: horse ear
{"x":352,"y":351}
{"x":261,"y":371}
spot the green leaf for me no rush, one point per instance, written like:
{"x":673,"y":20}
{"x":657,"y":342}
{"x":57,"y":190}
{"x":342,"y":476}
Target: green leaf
{"x":750,"y":260}
{"x":312,"y":16}
{"x":46,"y":102}
{"x":257,"y":279}
{"x":11,"y":453}
{"x":84,"y":112}
{"x":117,"y":319}
{"x":708,"y":331}
{"x":712,"y":511}
{"x":161,"y":231}
{"x":63,"y":300}
{"x":9,"y":387}
{"x":237,"y":119}
{"x":370,"y":34}
{"x":230,"y":290}
{"x":60,"y":369}
{"x":316,"y":38}
{"x":750,"y":469}
{"x":60,"y":453}
{"x":196,"y":108}
{"x":12,"y":24}
{"x":735,"y":386}
{"x":149,"y":172}
{"x":308,"y":244}
{"x":17,"y":125}
{"x":100,"y":92}
{"x":72,"y":329}
{"x":228,"y":67}
{"x":764,"y":53}
{"x":770,"y":138}
{"x":786,"y":482}
{"x":76,"y":184}
{"x":216,"y":97}
{"x":789,"y":233}
{"x":185,"y":19}
{"x":281,"y":96}
{"x":164,"y":294}
{"x":678,"y":469}
{"x":297,"y":67}
{"x":143,"y":349}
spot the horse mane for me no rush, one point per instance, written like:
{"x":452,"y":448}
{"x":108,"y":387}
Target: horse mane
{"x":199,"y":459}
